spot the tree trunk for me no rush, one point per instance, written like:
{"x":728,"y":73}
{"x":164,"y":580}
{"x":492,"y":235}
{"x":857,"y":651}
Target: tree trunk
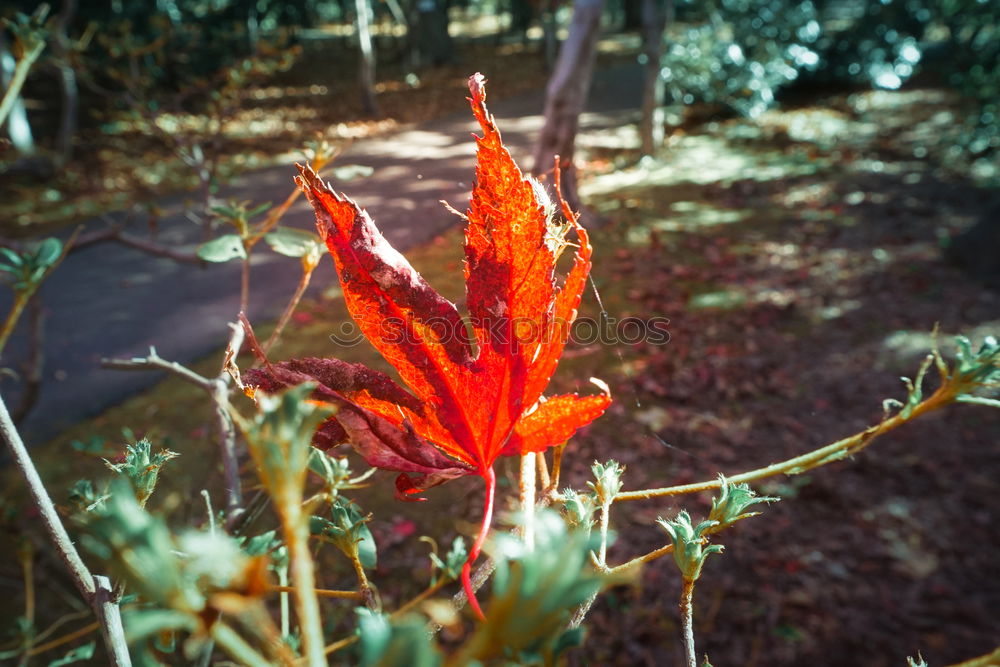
{"x":67,"y":84}
{"x":633,"y":15}
{"x":549,"y":33}
{"x":432,"y":44}
{"x":655,"y":16}
{"x":566,"y":95}
{"x":366,"y":71}
{"x":522,"y":13}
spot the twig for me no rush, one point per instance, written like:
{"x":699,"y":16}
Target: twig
{"x":245,"y":284}
{"x":543,"y":473}
{"x":156,"y":249}
{"x":529,"y":470}
{"x":58,"y":623}
{"x":988,"y":660}
{"x":641,"y":560}
{"x":290,"y":308}
{"x":420,"y":597}
{"x":405,"y":607}
{"x":799,"y":464}
{"x":35,"y":364}
{"x":50,"y":518}
{"x":27,"y":565}
{"x":687,"y":621}
{"x":296,"y":533}
{"x":557,"y":454}
{"x":227,"y":431}
{"x":340,"y":644}
{"x":32,"y":51}
{"x":13,"y":316}
{"x":110,"y":617}
{"x":90,"y":587}
{"x":602,"y":556}
{"x":156,"y":362}
{"x":322,"y":592}
{"x":366,"y":588}
{"x":65,"y":639}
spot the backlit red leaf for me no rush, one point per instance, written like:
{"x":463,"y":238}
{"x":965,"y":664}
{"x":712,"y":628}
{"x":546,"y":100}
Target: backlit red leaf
{"x":468,"y":400}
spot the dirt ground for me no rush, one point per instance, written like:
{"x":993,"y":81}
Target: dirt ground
{"x":802,"y":276}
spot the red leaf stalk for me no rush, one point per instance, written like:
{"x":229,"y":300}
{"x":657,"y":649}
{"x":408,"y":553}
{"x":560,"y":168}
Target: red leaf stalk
{"x":490,"y":478}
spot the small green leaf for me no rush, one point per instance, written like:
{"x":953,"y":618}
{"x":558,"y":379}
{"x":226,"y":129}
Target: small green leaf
{"x":351,"y":172}
{"x":85,"y":652}
{"x":48,"y":252}
{"x":222,"y":249}
{"x":292,"y":242}
{"x":258,"y":545}
{"x":402,"y":643}
{"x":14,"y":260}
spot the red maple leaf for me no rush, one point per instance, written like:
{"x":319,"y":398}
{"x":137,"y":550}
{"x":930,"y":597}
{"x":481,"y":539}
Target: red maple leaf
{"x":475,"y":383}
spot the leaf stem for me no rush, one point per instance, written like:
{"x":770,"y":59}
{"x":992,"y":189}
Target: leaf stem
{"x":491,"y":482}
{"x":290,"y":308}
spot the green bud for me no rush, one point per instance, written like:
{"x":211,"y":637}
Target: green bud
{"x":142,"y":468}
{"x":578,"y":508}
{"x":733,"y":500}
{"x":689,"y":551}
{"x":607,"y":482}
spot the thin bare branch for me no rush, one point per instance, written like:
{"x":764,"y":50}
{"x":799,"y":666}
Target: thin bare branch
{"x":290,"y":308}
{"x":110,"y":617}
{"x":92,"y":589}
{"x":154,"y":361}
